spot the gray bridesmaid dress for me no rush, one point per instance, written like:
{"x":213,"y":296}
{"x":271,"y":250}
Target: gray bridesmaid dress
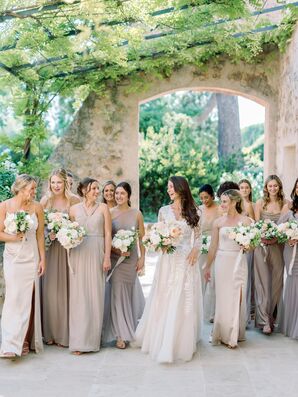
{"x":55,"y":296}
{"x":268,"y":273}
{"x":289,"y":324}
{"x":125,"y":303}
{"x":86,"y":300}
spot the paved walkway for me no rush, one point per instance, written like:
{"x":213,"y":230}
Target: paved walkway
{"x":261,"y":367}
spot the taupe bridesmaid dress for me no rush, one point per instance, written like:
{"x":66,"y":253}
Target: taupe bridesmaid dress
{"x":55,"y":295}
{"x":126,"y":302}
{"x":86,"y":300}
{"x":268,"y":273}
{"x":289,"y":323}
{"x":208,"y":289}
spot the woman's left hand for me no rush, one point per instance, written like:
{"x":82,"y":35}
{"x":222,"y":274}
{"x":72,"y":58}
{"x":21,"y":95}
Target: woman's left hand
{"x":140,"y":264}
{"x":292,"y":242}
{"x":41,"y":268}
{"x":193,"y":256}
{"x":106,"y":265}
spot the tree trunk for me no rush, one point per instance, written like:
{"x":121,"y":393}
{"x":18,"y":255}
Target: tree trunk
{"x":229,"y":133}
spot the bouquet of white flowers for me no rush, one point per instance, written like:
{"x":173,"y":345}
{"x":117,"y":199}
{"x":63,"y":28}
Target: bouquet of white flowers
{"x":288,"y":231}
{"x":53,"y":222}
{"x":268,"y":229}
{"x":206,"y":240}
{"x":246,"y":236}
{"x":124,"y":240}
{"x":18,"y":222}
{"x":70,"y":234}
{"x":163,"y":236}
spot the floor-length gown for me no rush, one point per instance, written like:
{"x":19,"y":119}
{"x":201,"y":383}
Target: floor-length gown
{"x":230,"y":289}
{"x":172,"y":321}
{"x":125,"y":303}
{"x":289,"y":323}
{"x":55,"y":296}
{"x":268,"y":273}
{"x":20,"y":261}
{"x":208,"y":289}
{"x":86,"y":283}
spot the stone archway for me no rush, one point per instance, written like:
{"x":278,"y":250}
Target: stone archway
{"x":103,"y":139}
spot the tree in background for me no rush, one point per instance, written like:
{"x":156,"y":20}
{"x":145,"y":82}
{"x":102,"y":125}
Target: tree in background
{"x":179,"y":135}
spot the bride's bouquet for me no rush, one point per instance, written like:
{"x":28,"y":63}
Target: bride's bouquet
{"x":206,"y":240}
{"x":269,"y":231}
{"x":288,"y":231}
{"x":18,"y":222}
{"x":70,"y":235}
{"x":163,"y":237}
{"x":124,"y":240}
{"x":248,"y":237}
{"x":53,"y":222}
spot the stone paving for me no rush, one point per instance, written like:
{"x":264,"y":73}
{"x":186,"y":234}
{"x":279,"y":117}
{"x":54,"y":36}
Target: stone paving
{"x":261,"y":367}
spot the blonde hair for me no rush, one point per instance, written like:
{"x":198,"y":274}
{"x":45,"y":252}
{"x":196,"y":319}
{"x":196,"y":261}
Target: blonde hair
{"x":280,"y":193}
{"x":21,"y":182}
{"x":234,"y":195}
{"x":61,"y":173}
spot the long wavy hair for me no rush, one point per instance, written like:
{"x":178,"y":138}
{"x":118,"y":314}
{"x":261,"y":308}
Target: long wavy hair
{"x":62,"y":174}
{"x":280,"y":193}
{"x":249,"y":184}
{"x":189,"y":209}
{"x":294,"y":198}
{"x":234,"y":195}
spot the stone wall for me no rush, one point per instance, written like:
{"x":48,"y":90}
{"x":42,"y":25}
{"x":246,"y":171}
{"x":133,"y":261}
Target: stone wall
{"x":103,"y":140}
{"x":287,"y":136}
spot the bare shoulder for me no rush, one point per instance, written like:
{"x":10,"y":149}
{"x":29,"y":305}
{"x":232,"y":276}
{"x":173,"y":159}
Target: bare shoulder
{"x":246,"y":220}
{"x":219,"y":221}
{"x":3,"y":206}
{"x":103,"y":207}
{"x":74,"y":199}
{"x":38,"y":207}
{"x":259,"y":203}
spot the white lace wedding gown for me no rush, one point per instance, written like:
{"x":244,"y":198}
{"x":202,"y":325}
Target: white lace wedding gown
{"x":172,"y":320}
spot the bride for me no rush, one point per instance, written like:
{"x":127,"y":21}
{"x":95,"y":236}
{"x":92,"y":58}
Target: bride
{"x":172,"y":320}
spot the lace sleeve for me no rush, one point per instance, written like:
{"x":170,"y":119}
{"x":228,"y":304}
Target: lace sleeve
{"x":160,"y":217}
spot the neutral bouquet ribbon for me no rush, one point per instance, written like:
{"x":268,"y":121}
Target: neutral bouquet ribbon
{"x":68,"y":262}
{"x":119,"y":261}
{"x":293,"y":259}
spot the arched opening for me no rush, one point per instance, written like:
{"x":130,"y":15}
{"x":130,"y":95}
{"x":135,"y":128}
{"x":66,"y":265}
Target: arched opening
{"x":204,"y":134}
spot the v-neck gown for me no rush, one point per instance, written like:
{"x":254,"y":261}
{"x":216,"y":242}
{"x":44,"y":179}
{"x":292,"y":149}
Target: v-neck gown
{"x":86,"y":299}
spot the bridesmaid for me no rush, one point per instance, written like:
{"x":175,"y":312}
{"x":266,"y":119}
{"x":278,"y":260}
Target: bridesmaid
{"x":289,"y":324}
{"x":230,"y":273}
{"x":89,"y":261}
{"x":246,"y":193}
{"x":127,"y":299}
{"x":209,"y":212}
{"x":24,"y":262}
{"x":55,"y":283}
{"x":268,"y":261}
{"x":108,"y":194}
{"x":248,"y":210}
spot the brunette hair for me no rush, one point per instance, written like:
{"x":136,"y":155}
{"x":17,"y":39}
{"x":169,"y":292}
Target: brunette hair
{"x":280,"y":194}
{"x":126,"y":186}
{"x":227,"y":185}
{"x":294,"y":198}
{"x":208,"y":189}
{"x":249,"y":184}
{"x":234,"y":195}
{"x":103,"y":189}
{"x":189,"y":209}
{"x":85,"y":184}
{"x":21,"y":182}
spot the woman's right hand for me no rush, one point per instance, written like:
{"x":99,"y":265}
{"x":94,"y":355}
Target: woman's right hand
{"x":18,"y":237}
{"x":207,"y":274}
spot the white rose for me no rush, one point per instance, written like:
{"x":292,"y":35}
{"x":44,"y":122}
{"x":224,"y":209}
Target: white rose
{"x":155,"y":238}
